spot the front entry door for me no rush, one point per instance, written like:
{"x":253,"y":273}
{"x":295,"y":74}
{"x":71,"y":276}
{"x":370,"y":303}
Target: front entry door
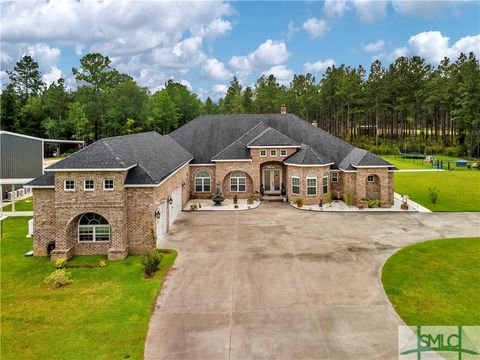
{"x":272,"y":180}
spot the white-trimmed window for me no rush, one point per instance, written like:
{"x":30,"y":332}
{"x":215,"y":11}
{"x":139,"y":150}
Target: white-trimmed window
{"x":202,"y":181}
{"x":93,"y":228}
{"x":295,"y":184}
{"x":283,"y":153}
{"x":311,"y":184}
{"x":325,"y":184}
{"x":69,"y":185}
{"x":273,"y":152}
{"x":108,"y":184}
{"x":88,"y":185}
{"x":263,"y":153}
{"x":371,"y":178}
{"x":334,"y":176}
{"x":238,"y":181}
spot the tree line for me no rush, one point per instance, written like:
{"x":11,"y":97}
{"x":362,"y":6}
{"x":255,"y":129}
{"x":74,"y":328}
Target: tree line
{"x":409,"y":105}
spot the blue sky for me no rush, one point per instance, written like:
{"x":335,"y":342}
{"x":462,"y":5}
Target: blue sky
{"x":204,"y":44}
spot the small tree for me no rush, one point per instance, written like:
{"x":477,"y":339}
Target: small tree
{"x":433,"y":195}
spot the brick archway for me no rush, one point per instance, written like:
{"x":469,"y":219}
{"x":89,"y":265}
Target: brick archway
{"x":226,"y":185}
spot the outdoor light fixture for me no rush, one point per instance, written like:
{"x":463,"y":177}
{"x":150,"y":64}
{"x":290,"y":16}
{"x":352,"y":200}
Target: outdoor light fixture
{"x":170,"y":200}
{"x":183,"y":185}
{"x":157,"y":214}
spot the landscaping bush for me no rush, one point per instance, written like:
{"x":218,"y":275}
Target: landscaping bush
{"x":433,"y":194}
{"x":151,"y":261}
{"x":235,"y":199}
{"x":58,"y":278}
{"x":373,"y":203}
{"x":349,"y":198}
{"x":251,"y":199}
{"x":60,"y":263}
{"x":299,"y":202}
{"x":235,"y":206}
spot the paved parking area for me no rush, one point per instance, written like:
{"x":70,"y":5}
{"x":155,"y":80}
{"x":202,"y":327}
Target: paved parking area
{"x":278,"y":283}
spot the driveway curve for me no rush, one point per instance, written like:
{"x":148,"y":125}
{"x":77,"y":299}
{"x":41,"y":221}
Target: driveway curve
{"x":278,"y":283}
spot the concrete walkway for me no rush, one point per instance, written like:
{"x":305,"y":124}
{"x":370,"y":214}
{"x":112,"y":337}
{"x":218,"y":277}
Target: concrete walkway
{"x":6,"y":214}
{"x":276,"y":283}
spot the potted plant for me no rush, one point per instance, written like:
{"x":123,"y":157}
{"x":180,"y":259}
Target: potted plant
{"x":299,"y":202}
{"x":262,"y":189}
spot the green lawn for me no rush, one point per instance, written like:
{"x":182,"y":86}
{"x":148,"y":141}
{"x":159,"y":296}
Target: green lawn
{"x":21,"y":205}
{"x":436,"y":282}
{"x":459,"y":190}
{"x":103,"y":314}
{"x":403,"y":163}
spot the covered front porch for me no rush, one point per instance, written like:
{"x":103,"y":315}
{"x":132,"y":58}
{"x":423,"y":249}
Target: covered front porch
{"x":273,"y":178}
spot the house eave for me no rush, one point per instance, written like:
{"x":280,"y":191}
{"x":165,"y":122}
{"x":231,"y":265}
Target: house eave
{"x":303,"y":165}
{"x":274,"y":147}
{"x":92,"y":169}
{"x":233,"y":160}
{"x":161,"y":182}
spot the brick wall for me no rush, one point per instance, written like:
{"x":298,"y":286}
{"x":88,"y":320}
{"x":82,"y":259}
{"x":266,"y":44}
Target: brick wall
{"x":211,"y":170}
{"x":43,"y":220}
{"x":319,"y":171}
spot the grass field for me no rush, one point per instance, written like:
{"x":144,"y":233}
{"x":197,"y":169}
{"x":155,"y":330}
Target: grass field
{"x":413,"y":164}
{"x":21,"y":205}
{"x":459,"y":190}
{"x":436,"y":282}
{"x":103,"y":314}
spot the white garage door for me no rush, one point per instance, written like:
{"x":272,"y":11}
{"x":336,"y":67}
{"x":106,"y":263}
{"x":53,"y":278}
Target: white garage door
{"x":161,"y":215}
{"x":176,"y":205}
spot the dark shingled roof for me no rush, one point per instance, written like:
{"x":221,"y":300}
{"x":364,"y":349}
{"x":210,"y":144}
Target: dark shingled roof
{"x":46,"y":179}
{"x":152,"y":157}
{"x":360,"y":157}
{"x":223,"y":130}
{"x":306,"y":156}
{"x":272,"y":137}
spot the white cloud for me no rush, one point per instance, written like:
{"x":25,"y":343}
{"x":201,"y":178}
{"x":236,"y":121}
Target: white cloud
{"x":154,"y":40}
{"x":318,"y":67}
{"x":315,"y":27}
{"x":335,"y":7}
{"x":425,"y":8}
{"x":370,"y":11}
{"x":53,"y":75}
{"x":292,"y":29}
{"x":281,"y":73}
{"x":433,"y":46}
{"x":219,"y":89}
{"x":374,"y":46}
{"x":269,"y":53}
{"x":215,"y":70}
{"x":186,"y":83}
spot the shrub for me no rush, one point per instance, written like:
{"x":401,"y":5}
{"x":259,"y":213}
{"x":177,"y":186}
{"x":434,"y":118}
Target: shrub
{"x":433,"y":195}
{"x":329,"y":197}
{"x":58,"y":278}
{"x":60,"y":263}
{"x":349,"y":198}
{"x":299,"y":202}
{"x":102,"y":264}
{"x":251,"y":199}
{"x":151,"y":261}
{"x":235,"y":199}
{"x":235,"y":206}
{"x":373,"y":203}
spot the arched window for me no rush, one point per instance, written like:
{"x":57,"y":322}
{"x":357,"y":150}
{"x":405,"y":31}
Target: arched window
{"x":202,"y":181}
{"x":93,"y":227}
{"x":295,"y":184}
{"x":311,"y":184}
{"x":238,"y":181}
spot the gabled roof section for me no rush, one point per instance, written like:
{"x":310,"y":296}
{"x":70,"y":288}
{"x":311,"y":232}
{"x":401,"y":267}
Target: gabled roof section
{"x":272,"y":137}
{"x":149,"y":157}
{"x":46,"y":180}
{"x":362,"y":158}
{"x":234,"y":151}
{"x":306,"y":156}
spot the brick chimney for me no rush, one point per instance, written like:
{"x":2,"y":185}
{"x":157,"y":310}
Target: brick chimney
{"x":283,"y":109}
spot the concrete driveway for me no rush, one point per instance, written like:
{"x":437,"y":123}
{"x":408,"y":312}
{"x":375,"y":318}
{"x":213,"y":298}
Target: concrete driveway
{"x":279,"y":283}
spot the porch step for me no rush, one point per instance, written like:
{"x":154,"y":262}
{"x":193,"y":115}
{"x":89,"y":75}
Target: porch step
{"x":273,"y":198}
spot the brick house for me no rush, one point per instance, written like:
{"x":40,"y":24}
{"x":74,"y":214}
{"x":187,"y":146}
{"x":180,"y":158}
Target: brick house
{"x":117,"y":195}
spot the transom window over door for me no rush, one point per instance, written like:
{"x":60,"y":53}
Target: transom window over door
{"x":295,"y":184}
{"x":93,"y":227}
{"x":238,"y":181}
{"x":202,"y":181}
{"x":311,"y":184}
